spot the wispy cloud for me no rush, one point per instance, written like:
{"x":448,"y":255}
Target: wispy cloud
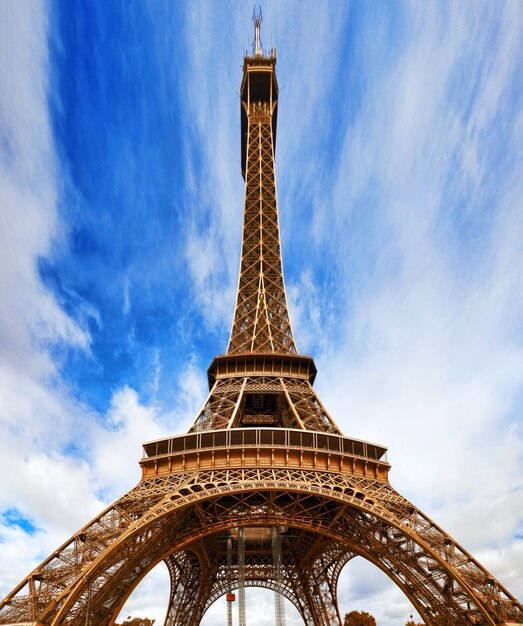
{"x":215,"y":192}
{"x":45,"y":433}
{"x":35,"y":415}
{"x":427,"y":191}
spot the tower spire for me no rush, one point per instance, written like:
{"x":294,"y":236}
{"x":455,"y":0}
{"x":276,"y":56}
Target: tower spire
{"x":261,"y":320}
{"x":257,"y":18}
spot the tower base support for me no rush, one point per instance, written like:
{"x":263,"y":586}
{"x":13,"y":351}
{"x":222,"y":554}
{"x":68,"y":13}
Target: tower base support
{"x":326,"y":518}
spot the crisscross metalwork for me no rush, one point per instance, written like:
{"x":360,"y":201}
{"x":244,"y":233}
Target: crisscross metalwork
{"x":261,"y":319}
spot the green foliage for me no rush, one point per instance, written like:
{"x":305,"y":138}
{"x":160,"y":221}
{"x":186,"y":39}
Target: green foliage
{"x":136,"y":621}
{"x":359,"y":618}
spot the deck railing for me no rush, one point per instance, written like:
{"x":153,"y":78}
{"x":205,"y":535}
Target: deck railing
{"x":264,"y":438}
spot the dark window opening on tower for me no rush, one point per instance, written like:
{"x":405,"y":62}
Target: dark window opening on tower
{"x":262,"y":409}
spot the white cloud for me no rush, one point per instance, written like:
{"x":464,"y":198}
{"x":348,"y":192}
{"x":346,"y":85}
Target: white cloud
{"x":311,"y":317}
{"x":28,"y":181}
{"x":363,"y":587}
{"x":20,"y":553}
{"x":150,"y":598}
{"x":117,"y":447}
{"x":193,"y":390}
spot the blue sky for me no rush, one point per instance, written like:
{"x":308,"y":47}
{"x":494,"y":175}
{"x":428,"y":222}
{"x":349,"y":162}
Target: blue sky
{"x":399,"y":172}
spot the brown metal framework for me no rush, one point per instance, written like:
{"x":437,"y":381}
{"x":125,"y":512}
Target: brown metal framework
{"x":262,"y":454}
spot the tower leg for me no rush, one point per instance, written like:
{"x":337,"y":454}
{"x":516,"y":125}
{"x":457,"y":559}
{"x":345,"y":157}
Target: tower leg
{"x":302,"y":590}
{"x":325,"y":597}
{"x":325,"y":571}
{"x":91,"y":576}
{"x":185,"y":572}
{"x":229,"y":581}
{"x":279,"y":606}
{"x":241,"y":577}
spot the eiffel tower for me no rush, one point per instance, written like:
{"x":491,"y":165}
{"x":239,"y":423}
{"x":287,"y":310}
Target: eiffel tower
{"x":264,"y":490}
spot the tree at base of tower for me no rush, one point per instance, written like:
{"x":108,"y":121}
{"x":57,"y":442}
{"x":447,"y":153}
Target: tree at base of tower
{"x":359,"y":618}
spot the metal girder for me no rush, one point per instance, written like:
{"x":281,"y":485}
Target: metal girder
{"x":185,"y":571}
{"x":297,"y":406}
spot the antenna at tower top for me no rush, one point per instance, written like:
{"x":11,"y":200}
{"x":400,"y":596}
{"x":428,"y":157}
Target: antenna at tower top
{"x":257,"y":18}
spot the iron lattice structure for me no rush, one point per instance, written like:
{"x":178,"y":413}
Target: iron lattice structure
{"x":265,"y":461}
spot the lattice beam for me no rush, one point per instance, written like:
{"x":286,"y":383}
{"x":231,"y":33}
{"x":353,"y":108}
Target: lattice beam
{"x":261,"y":320}
{"x":293,"y":404}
